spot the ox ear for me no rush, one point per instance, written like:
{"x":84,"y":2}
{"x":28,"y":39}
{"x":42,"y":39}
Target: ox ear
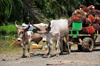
{"x":27,"y":27}
{"x":39,"y":32}
{"x":16,"y":24}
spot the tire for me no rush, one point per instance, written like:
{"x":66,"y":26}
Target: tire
{"x":79,"y":47}
{"x":88,"y":44}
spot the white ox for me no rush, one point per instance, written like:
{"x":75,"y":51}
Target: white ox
{"x":26,"y":37}
{"x":56,"y":31}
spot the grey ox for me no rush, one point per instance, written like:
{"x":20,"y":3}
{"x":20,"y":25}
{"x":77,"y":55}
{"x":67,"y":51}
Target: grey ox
{"x":55,"y":32}
{"x":26,"y":37}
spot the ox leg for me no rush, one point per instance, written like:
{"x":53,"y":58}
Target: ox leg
{"x":61,"y":47}
{"x":48,"y":52}
{"x":57,"y":46}
{"x":28,"y":48}
{"x":50,"y":49}
{"x":68,"y":48}
{"x":23,"y":55}
{"x":67,"y":38}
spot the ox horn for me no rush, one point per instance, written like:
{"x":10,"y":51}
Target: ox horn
{"x":34,"y":25}
{"x":27,"y":27}
{"x":49,"y":23}
{"x":48,"y":20}
{"x":16,"y":24}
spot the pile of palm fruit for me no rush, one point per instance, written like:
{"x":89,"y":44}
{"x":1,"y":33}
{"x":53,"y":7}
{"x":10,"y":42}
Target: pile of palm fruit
{"x":90,"y":18}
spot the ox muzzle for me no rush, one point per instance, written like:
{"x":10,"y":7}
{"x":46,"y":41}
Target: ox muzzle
{"x":19,"y":39}
{"x":44,"y":37}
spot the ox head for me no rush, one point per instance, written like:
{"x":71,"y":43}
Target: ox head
{"x":21,"y":31}
{"x":43,"y":30}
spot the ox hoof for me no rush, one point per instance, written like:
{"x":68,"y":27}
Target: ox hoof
{"x":23,"y":56}
{"x":57,"y":54}
{"x":45,"y":55}
{"x":28,"y":56}
{"x":69,"y":52}
{"x":49,"y":56}
{"x":61,"y":53}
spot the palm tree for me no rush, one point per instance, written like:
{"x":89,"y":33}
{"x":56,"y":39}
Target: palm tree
{"x":37,"y":10}
{"x":5,"y":10}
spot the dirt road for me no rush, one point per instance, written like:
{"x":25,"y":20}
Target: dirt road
{"x":76,"y":58}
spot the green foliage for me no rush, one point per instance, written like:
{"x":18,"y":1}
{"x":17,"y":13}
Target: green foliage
{"x":58,"y":8}
{"x":7,"y":33}
{"x":5,"y":10}
{"x":10,"y":10}
{"x":17,"y":10}
{"x":36,"y":10}
{"x":8,"y":30}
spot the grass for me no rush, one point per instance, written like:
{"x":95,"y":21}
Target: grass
{"x":8,"y":34}
{"x":8,"y":30}
{"x":4,"y":45}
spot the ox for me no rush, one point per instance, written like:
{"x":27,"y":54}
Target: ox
{"x":55,"y":31}
{"x":26,"y":37}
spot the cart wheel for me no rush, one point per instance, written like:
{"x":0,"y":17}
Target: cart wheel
{"x":88,"y":44}
{"x":79,"y":47}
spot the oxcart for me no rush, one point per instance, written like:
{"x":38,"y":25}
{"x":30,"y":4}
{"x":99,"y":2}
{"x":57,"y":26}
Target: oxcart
{"x":85,"y":42}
